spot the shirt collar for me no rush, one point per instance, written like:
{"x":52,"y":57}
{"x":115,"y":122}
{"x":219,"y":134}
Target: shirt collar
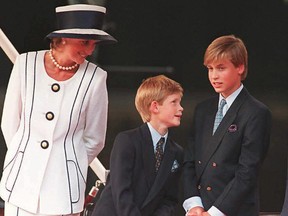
{"x":156,"y":136}
{"x":230,"y":99}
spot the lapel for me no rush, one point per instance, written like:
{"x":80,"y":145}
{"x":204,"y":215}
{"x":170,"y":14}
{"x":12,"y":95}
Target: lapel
{"x":164,"y":171}
{"x":212,"y":142}
{"x":148,"y":157}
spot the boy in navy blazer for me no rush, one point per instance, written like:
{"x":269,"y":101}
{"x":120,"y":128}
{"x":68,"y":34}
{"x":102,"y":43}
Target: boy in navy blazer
{"x":222,"y":161}
{"x":137,"y":185}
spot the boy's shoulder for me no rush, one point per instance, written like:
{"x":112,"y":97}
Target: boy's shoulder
{"x":139,"y":131}
{"x":174,"y":143}
{"x":207,"y":103}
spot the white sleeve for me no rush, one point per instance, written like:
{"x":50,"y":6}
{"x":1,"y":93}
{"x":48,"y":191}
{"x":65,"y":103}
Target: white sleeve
{"x":196,"y":201}
{"x":96,"y":118}
{"x":215,"y":212}
{"x":192,"y":202}
{"x":12,"y":104}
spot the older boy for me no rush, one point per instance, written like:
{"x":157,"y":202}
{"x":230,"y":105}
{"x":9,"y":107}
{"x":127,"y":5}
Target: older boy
{"x":144,"y":177}
{"x":223,"y":159}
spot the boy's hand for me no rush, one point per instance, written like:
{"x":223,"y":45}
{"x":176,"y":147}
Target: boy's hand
{"x":205,"y":214}
{"x":196,"y":211}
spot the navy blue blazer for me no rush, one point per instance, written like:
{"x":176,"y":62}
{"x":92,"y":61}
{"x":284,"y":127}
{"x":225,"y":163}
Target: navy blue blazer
{"x":133,"y":188}
{"x":223,"y":168}
{"x":284,"y":211}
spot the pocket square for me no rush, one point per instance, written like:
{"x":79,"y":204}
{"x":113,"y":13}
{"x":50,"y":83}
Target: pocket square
{"x":232,"y":128}
{"x":175,"y":166}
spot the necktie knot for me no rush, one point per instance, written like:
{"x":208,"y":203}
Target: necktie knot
{"x":159,"y":153}
{"x":219,"y":115}
{"x":222,"y":104}
{"x":160,"y":142}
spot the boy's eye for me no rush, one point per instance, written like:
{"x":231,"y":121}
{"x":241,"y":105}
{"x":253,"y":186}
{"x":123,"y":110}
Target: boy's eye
{"x":221,"y":68}
{"x":175,"y":101}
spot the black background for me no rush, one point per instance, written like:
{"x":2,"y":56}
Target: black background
{"x":174,"y":34}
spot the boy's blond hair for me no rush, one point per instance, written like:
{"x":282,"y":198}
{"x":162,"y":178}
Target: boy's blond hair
{"x":228,"y":47}
{"x":156,"y":88}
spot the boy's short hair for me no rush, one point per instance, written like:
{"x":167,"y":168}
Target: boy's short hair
{"x":156,"y":88}
{"x":228,"y":47}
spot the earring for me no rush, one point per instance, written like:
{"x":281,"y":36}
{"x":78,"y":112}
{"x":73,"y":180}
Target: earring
{"x":63,"y":42}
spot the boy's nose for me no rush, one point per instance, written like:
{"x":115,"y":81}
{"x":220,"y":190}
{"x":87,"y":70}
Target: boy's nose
{"x":214,"y":74}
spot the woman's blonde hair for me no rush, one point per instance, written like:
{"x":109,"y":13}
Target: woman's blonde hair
{"x":55,"y":43}
{"x":228,"y":47}
{"x":156,"y":88}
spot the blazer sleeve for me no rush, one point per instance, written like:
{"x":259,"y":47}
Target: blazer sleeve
{"x":189,"y":174}
{"x":121,"y":170}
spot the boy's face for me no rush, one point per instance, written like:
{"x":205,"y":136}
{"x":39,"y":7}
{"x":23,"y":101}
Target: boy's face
{"x":170,"y":111}
{"x":224,"y":76}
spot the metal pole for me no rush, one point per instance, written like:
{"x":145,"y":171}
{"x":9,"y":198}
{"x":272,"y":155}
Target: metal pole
{"x":8,"y":47}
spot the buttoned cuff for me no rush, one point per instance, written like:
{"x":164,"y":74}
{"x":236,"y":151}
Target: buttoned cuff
{"x":192,"y":202}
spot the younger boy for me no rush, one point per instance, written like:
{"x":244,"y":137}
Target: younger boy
{"x":140,"y":183}
{"x":222,"y":161}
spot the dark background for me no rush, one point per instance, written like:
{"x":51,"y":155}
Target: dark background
{"x":170,"y":37}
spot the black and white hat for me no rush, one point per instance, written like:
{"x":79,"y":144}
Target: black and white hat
{"x":81,"y":21}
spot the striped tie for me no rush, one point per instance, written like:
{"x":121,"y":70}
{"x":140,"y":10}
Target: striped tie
{"x":219,"y":115}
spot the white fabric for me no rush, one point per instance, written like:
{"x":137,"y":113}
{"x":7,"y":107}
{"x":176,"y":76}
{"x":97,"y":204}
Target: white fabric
{"x":80,"y":7}
{"x":215,"y":212}
{"x":82,"y":31}
{"x":12,"y":210}
{"x":196,"y":201}
{"x":192,"y":202}
{"x":51,"y":180}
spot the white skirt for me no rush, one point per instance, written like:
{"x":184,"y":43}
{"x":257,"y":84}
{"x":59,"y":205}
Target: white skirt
{"x":11,"y":210}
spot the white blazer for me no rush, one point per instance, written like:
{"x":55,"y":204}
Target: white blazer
{"x":53,"y":130}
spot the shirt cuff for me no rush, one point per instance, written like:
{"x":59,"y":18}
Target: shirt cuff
{"x":192,"y":202}
{"x":215,"y":212}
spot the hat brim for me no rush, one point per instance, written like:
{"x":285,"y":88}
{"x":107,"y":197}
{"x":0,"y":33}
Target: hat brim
{"x":89,"y":34}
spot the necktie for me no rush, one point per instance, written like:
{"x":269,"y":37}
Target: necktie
{"x":159,"y":153}
{"x":219,"y":115}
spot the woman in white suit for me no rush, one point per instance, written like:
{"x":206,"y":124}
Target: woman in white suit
{"x":54,"y":118}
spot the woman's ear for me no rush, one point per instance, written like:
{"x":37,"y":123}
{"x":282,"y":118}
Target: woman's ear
{"x":63,"y":41}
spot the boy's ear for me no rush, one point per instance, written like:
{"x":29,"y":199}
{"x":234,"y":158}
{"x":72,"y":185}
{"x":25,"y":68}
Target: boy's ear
{"x":241,"y":69}
{"x":154,"y":107}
